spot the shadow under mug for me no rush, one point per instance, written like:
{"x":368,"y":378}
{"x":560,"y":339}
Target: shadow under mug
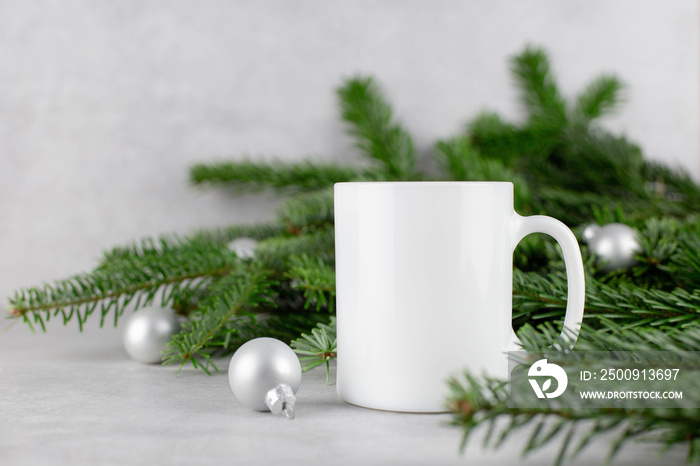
{"x":424,"y":287}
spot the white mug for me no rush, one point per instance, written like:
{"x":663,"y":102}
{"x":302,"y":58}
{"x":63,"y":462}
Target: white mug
{"x":424,"y":287}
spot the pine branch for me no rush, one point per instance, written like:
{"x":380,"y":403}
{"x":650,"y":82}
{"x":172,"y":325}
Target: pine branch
{"x":536,"y":297}
{"x":462,"y":162}
{"x":224,"y":235}
{"x":658,"y":240}
{"x":552,"y":151}
{"x":319,"y":242}
{"x":576,"y":207}
{"x":669,"y":248}
{"x":495,"y":138}
{"x":243,"y":328}
{"x":242,"y":290}
{"x":316,"y":279}
{"x":478,"y":402}
{"x":539,"y":92}
{"x":685,"y":262}
{"x":276,"y":313}
{"x":307,"y":210}
{"x":144,"y":247}
{"x":173,"y":270}
{"x":318,"y":348}
{"x":278,"y":175}
{"x":376,"y":134}
{"x":170,"y":243}
{"x":608,"y":336}
{"x":601,"y":97}
{"x":458,"y":158}
{"x":596,"y":161}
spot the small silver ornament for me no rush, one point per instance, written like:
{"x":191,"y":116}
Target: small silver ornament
{"x":147,"y":333}
{"x":264,"y":374}
{"x":615,"y":244}
{"x":243,"y":247}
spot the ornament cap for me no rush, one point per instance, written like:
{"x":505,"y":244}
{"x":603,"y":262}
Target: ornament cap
{"x":280,"y":400}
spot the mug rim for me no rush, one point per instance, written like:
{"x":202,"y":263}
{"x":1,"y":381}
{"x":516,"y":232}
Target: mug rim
{"x":423,"y":183}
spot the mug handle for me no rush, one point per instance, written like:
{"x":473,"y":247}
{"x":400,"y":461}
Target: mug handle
{"x":576,"y":284}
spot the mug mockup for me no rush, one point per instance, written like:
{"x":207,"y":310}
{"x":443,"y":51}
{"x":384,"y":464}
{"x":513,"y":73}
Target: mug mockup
{"x":424,"y":287}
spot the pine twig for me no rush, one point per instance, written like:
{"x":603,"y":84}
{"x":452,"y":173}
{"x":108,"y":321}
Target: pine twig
{"x":601,"y":97}
{"x":224,"y":235}
{"x":477,"y":402}
{"x":172,"y":269}
{"x":320,"y":242}
{"x":318,"y":348}
{"x":307,"y":210}
{"x":239,"y":291}
{"x":539,"y":92}
{"x":538,"y":297}
{"x":316,"y":279}
{"x":376,"y":133}
{"x":611,"y":337}
{"x":462,"y":162}
{"x":278,"y":175}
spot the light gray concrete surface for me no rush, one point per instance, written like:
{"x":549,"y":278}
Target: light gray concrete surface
{"x":77,"y":399}
{"x":105,"y":104}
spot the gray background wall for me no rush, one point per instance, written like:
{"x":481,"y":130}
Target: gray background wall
{"x":104,"y":105}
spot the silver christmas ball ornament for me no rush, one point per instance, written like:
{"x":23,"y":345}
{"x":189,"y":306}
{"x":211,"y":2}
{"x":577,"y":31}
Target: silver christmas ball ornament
{"x":615,"y":244}
{"x":243,"y":247}
{"x":264,"y":374}
{"x":147,"y":333}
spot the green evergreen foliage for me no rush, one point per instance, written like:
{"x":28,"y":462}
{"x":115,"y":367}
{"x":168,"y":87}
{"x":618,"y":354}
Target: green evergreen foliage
{"x":376,"y":134}
{"x":574,"y":163}
{"x":318,"y":348}
{"x":309,"y":210}
{"x":539,"y":92}
{"x":225,"y":235}
{"x":460,"y":160}
{"x":478,"y":402}
{"x":562,"y":162}
{"x":239,"y":291}
{"x":173,"y":269}
{"x":602,"y":96}
{"x":277,"y":251}
{"x":255,"y":176}
{"x":481,"y":401}
{"x":316,"y":279}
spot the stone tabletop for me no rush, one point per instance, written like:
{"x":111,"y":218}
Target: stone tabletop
{"x":71,"y":398}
